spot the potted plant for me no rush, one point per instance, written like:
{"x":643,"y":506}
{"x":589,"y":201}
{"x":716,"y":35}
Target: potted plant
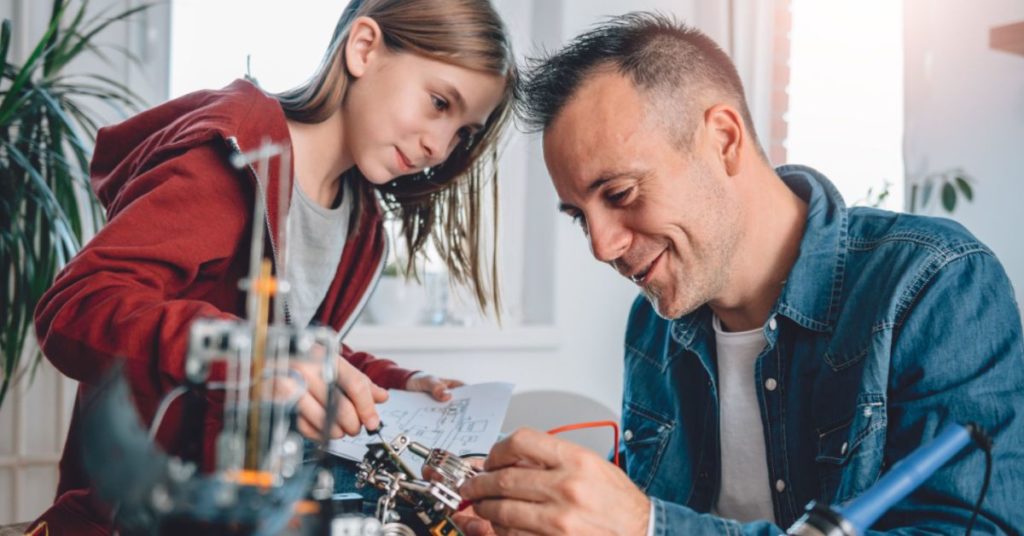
{"x":48,"y":124}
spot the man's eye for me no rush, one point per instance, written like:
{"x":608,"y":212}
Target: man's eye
{"x":439,"y":103}
{"x":620,"y":196}
{"x":579,"y":219}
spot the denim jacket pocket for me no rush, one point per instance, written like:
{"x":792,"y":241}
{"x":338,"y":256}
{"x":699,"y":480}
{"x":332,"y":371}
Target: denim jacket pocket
{"x":644,"y":437}
{"x":849,"y":455}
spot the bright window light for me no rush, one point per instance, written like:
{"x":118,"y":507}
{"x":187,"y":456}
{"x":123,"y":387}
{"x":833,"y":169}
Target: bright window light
{"x":846,"y":94}
{"x":211,"y":40}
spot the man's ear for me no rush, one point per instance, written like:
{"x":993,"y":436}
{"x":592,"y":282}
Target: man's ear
{"x":726,"y":134}
{"x":364,"y":40}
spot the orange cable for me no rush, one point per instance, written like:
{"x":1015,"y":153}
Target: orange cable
{"x":593,"y":424}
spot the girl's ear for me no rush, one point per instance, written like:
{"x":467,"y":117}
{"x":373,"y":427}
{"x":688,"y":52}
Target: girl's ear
{"x":364,"y":42}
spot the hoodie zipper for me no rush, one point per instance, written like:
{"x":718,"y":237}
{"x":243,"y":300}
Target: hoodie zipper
{"x":235,"y":148}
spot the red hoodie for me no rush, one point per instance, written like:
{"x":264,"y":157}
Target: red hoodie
{"x":173,"y":250}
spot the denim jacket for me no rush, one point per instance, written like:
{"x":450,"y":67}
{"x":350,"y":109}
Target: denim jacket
{"x":888,"y":327}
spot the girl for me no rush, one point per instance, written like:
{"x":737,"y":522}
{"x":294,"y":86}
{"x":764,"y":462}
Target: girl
{"x":409,"y":97}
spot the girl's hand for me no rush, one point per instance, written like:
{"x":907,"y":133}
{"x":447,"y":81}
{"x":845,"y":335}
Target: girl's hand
{"x":356,"y":407}
{"x":432,"y":385}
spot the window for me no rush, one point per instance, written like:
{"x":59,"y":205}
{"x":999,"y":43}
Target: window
{"x":210,"y":44}
{"x":846,"y":95}
{"x":211,"y":40}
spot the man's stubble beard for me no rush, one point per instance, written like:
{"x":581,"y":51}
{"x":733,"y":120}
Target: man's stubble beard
{"x":691,"y":294}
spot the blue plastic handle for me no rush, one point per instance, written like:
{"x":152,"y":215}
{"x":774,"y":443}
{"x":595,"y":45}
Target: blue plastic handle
{"x":904,"y":477}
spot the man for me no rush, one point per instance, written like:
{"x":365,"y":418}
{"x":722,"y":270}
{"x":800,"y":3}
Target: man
{"x":786,"y":348}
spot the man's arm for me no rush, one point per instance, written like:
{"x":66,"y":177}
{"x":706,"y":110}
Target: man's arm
{"x":965,"y":364}
{"x":958,"y":356}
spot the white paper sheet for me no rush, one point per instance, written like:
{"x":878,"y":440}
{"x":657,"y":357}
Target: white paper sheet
{"x":468,"y":423}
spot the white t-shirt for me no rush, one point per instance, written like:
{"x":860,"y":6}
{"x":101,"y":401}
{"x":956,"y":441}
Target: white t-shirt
{"x":745,"y":493}
{"x":314,"y":242}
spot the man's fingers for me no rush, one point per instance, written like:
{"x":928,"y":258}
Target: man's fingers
{"x":471,"y":524}
{"x":516,"y":517}
{"x":527,"y":447}
{"x":513,"y":483}
{"x":505,"y":531}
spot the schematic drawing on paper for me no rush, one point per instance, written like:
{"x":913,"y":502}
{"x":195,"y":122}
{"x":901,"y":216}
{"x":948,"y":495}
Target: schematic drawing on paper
{"x":469,"y":423}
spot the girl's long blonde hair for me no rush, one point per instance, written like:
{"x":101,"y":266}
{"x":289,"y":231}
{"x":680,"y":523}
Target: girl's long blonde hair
{"x":442,"y":205}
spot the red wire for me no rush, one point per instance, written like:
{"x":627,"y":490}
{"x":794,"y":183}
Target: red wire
{"x":592,"y":424}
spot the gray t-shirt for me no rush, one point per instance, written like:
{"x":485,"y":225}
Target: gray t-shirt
{"x":745,"y":494}
{"x":314,"y":242}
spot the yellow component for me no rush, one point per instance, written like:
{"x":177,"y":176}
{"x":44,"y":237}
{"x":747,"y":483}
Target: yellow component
{"x":264,"y":287}
{"x":245,"y":477}
{"x":444,"y":528}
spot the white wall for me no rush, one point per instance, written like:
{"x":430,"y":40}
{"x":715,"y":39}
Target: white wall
{"x":965,"y":107}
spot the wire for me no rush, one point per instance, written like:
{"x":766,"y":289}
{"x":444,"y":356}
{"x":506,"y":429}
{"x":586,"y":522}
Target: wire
{"x":593,"y":424}
{"x":985,"y":444}
{"x":162,"y":409}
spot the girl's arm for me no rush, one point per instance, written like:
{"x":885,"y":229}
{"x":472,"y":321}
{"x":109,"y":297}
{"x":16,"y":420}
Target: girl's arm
{"x":121,"y":297}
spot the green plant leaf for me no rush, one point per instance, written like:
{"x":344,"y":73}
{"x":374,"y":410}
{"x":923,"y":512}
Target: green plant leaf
{"x":965,"y":187}
{"x":87,"y":37}
{"x":23,"y":76}
{"x":56,"y":12}
{"x":5,"y":40}
{"x":48,"y":123}
{"x":42,"y":193}
{"x":69,"y":32}
{"x":948,"y":197}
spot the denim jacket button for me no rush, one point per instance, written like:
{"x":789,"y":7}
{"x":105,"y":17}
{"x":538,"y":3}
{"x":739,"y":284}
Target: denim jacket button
{"x":627,"y":435}
{"x":772,"y":324}
{"x":780,"y":486}
{"x":842,"y":449}
{"x":770,"y":384}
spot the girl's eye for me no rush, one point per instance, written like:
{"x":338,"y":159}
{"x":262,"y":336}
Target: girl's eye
{"x":439,"y":103}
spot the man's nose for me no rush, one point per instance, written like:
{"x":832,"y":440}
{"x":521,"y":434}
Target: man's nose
{"x":608,"y":239}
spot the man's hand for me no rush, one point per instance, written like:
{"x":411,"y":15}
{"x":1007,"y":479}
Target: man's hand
{"x":472,"y":524}
{"x":432,"y":385}
{"x":537,"y":484}
{"x":356,"y":407}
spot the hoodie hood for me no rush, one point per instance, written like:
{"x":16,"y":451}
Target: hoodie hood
{"x":240,"y":117}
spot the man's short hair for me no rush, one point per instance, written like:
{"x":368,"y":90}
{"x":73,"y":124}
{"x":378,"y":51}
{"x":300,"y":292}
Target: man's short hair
{"x":678,"y":67}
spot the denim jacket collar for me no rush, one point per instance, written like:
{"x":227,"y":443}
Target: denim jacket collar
{"x":818,"y":271}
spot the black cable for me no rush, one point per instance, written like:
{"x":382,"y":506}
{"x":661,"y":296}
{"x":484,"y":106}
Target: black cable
{"x":985,"y":444}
